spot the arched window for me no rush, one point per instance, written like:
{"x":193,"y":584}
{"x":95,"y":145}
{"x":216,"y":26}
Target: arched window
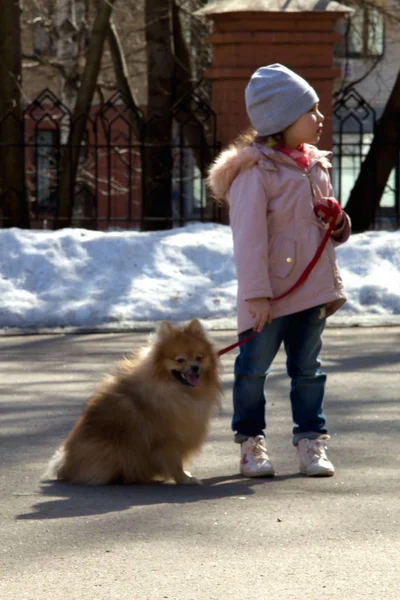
{"x":363,"y":34}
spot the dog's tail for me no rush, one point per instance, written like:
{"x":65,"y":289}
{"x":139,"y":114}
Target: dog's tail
{"x":54,"y":466}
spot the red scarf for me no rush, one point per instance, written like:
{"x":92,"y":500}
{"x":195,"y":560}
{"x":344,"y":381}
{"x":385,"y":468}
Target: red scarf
{"x":300,"y":154}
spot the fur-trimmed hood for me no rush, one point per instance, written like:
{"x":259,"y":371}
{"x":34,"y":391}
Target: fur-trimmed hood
{"x":234,"y":159}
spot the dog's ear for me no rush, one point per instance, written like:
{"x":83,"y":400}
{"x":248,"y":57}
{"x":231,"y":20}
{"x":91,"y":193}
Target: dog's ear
{"x":196,"y":327}
{"x":164,"y":330}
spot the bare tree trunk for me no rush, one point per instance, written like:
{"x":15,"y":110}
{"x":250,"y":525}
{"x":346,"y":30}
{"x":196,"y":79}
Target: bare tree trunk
{"x":70,"y":158}
{"x":158,"y":162}
{"x":123,"y":85}
{"x":12,"y":164}
{"x":377,"y":166}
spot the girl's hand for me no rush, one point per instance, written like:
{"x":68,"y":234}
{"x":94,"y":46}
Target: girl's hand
{"x":260,"y":310}
{"x":329,"y":209}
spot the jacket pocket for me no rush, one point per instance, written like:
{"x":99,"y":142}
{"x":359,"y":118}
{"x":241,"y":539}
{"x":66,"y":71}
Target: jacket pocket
{"x":282,"y":256}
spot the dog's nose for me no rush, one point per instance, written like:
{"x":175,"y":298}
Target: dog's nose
{"x":195,"y":368}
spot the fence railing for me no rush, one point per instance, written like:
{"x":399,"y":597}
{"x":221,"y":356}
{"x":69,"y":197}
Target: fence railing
{"x":110,"y":186}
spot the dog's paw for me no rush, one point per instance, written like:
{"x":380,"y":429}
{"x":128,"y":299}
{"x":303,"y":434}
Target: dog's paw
{"x":189,"y":479}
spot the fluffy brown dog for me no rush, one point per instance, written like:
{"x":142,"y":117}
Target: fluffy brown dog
{"x":149,"y":417}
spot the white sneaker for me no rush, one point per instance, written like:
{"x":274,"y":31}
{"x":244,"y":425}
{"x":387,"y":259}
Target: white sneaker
{"x":254,"y":461}
{"x":312,"y":457}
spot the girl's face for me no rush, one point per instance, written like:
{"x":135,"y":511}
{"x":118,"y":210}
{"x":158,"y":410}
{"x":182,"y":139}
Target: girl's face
{"x":306,"y":130}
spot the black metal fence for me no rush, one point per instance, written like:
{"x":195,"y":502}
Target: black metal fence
{"x":113,"y":167}
{"x":109,"y":190}
{"x":354,"y":125}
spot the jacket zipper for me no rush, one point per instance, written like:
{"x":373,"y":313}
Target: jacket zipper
{"x":310,"y":181}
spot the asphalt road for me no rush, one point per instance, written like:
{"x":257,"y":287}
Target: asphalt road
{"x":291,"y":537}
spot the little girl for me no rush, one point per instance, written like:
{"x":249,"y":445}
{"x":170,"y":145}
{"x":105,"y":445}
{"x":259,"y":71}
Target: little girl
{"x":280,"y":200}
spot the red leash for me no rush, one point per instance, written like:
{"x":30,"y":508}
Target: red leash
{"x":299,"y":282}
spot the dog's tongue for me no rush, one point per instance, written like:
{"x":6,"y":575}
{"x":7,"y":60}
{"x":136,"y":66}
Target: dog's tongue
{"x":193,"y":379}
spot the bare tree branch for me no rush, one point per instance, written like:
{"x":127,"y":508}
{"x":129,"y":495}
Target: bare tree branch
{"x":193,"y":129}
{"x":70,"y":158}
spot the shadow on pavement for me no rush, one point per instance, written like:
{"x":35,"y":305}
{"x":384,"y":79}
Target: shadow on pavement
{"x":77,"y":500}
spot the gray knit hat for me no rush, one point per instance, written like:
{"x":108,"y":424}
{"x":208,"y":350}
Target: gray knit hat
{"x":276,"y":97}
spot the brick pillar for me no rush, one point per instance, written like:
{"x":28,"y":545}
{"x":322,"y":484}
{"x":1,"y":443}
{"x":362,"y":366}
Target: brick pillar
{"x":243,"y":41}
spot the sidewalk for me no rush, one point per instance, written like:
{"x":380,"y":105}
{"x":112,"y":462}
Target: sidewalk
{"x":289,"y":538}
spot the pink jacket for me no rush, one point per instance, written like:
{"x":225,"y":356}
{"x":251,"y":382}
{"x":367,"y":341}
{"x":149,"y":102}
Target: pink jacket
{"x":276,"y":232}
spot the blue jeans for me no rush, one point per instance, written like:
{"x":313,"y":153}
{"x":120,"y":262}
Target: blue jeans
{"x":301,"y":334}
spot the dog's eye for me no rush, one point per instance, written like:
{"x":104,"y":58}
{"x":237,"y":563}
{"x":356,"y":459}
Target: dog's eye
{"x":180,"y":360}
{"x":199,"y":358}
